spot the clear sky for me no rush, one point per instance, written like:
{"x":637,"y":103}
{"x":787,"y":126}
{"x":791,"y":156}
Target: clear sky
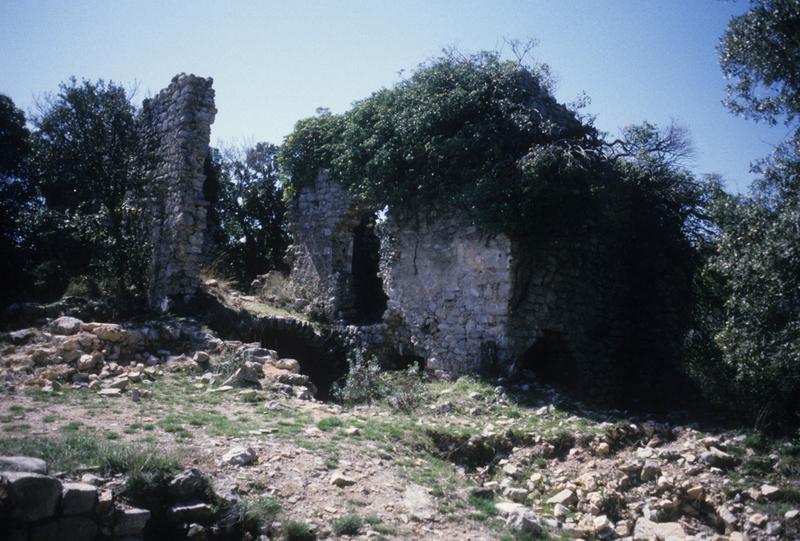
{"x":274,"y":62}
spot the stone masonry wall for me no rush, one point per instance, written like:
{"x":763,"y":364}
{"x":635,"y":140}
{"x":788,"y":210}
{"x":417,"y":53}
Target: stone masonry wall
{"x":176,"y":127}
{"x":448,"y":289}
{"x":465,"y":302}
{"x":321,"y":221}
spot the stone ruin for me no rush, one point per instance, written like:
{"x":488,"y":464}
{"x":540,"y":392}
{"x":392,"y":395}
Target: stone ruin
{"x":433,"y":288}
{"x":176,"y":127}
{"x":428,"y":288}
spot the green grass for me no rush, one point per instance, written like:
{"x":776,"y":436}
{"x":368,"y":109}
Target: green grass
{"x":255,"y":512}
{"x":483,"y":506}
{"x":329,"y":423}
{"x":71,"y":452}
{"x":347,"y":525}
{"x":49,"y":418}
{"x":71,"y":427}
{"x":297,"y":531}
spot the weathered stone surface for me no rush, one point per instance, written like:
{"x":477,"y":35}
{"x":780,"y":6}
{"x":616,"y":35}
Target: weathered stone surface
{"x":719,"y":459}
{"x":188,"y":485}
{"x":565,"y":497}
{"x":647,"y":530}
{"x":650,"y":471}
{"x":195,"y":512}
{"x":771,"y":492}
{"x":239,"y":456}
{"x":78,"y":498}
{"x":23,"y":464}
{"x":76,"y":529}
{"x":341,"y":480}
{"x":524,"y":520}
{"x":65,"y":325}
{"x":130,"y":522}
{"x":32,"y":496}
{"x":176,"y":126}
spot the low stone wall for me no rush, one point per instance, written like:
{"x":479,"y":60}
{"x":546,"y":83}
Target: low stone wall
{"x":176,"y":127}
{"x":37,"y":506}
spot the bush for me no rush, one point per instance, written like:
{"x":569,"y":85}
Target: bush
{"x":298,"y":531}
{"x":347,"y":525}
{"x":366,"y":383}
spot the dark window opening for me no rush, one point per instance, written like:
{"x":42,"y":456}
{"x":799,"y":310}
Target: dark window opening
{"x":369,"y":300}
{"x":551,"y":361}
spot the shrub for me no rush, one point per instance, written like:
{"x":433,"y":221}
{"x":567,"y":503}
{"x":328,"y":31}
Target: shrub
{"x":366,"y":383}
{"x":347,"y":525}
{"x":298,"y":531}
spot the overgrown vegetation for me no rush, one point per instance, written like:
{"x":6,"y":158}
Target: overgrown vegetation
{"x":366,"y":382}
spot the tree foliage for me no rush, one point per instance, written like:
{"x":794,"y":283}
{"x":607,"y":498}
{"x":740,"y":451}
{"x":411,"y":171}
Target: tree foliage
{"x":16,"y":197}
{"x":249,"y":211}
{"x":472,"y":132}
{"x":84,"y":164}
{"x":760,"y":54}
{"x":751,"y":308}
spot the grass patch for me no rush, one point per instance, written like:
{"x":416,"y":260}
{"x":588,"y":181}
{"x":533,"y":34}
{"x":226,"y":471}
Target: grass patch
{"x":71,"y":427}
{"x":74,"y":451}
{"x":298,"y":531}
{"x":256,"y":512}
{"x":347,"y":525}
{"x":483,"y":506}
{"x":49,"y":419}
{"x":329,"y":423}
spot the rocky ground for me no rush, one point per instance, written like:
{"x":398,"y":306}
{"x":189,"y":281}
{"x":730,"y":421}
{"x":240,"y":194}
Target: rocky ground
{"x":467,"y":459}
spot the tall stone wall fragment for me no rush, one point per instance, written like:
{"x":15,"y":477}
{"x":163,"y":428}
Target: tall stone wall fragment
{"x":176,"y":128}
{"x":322,"y":220}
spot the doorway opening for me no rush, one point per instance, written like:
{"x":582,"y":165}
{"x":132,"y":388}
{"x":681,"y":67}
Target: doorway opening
{"x":549,"y":358}
{"x":369,"y":300}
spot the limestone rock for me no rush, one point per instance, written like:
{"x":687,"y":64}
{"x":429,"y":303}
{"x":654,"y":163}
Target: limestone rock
{"x":506,"y":508}
{"x":195,"y":512}
{"x":66,"y":326}
{"x":130,"y":522}
{"x":565,"y":497}
{"x":341,"y":480}
{"x":85,"y":362}
{"x":32,"y":496}
{"x":78,"y":498}
{"x":647,"y":530}
{"x":76,"y":529}
{"x":248,"y":373}
{"x":188,"y":485}
{"x":651,"y":470}
{"x":771,"y":492}
{"x":292,"y":365}
{"x":202,"y":358}
{"x":110,"y":392}
{"x":524,"y":520}
{"x":239,"y":456}
{"x":718,"y":459}
{"x":109,"y":332}
{"x":23,"y":464}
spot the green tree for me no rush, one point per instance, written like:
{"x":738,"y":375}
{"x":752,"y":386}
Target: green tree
{"x":16,"y":198}
{"x":85,"y":165}
{"x":754,"y":316}
{"x":760,"y":54}
{"x":250,"y":211}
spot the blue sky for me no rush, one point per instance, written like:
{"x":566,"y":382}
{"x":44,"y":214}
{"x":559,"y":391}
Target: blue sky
{"x":276,"y":62}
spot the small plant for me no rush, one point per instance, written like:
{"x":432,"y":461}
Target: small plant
{"x":483,"y":505}
{"x":255,"y":513}
{"x":362,"y":384}
{"x":347,"y":525}
{"x":298,"y":531}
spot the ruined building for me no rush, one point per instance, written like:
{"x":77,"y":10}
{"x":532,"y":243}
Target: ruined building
{"x":438,"y":290}
{"x":176,"y":127}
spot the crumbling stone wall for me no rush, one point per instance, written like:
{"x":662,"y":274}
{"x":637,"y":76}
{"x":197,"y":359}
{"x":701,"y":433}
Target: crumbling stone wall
{"x":449,"y":289}
{"x":176,"y":128}
{"x":465,"y":302}
{"x":322,"y":220}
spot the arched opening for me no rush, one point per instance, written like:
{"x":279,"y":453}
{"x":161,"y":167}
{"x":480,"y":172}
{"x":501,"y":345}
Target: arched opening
{"x":550,"y":360}
{"x":369,"y":300}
